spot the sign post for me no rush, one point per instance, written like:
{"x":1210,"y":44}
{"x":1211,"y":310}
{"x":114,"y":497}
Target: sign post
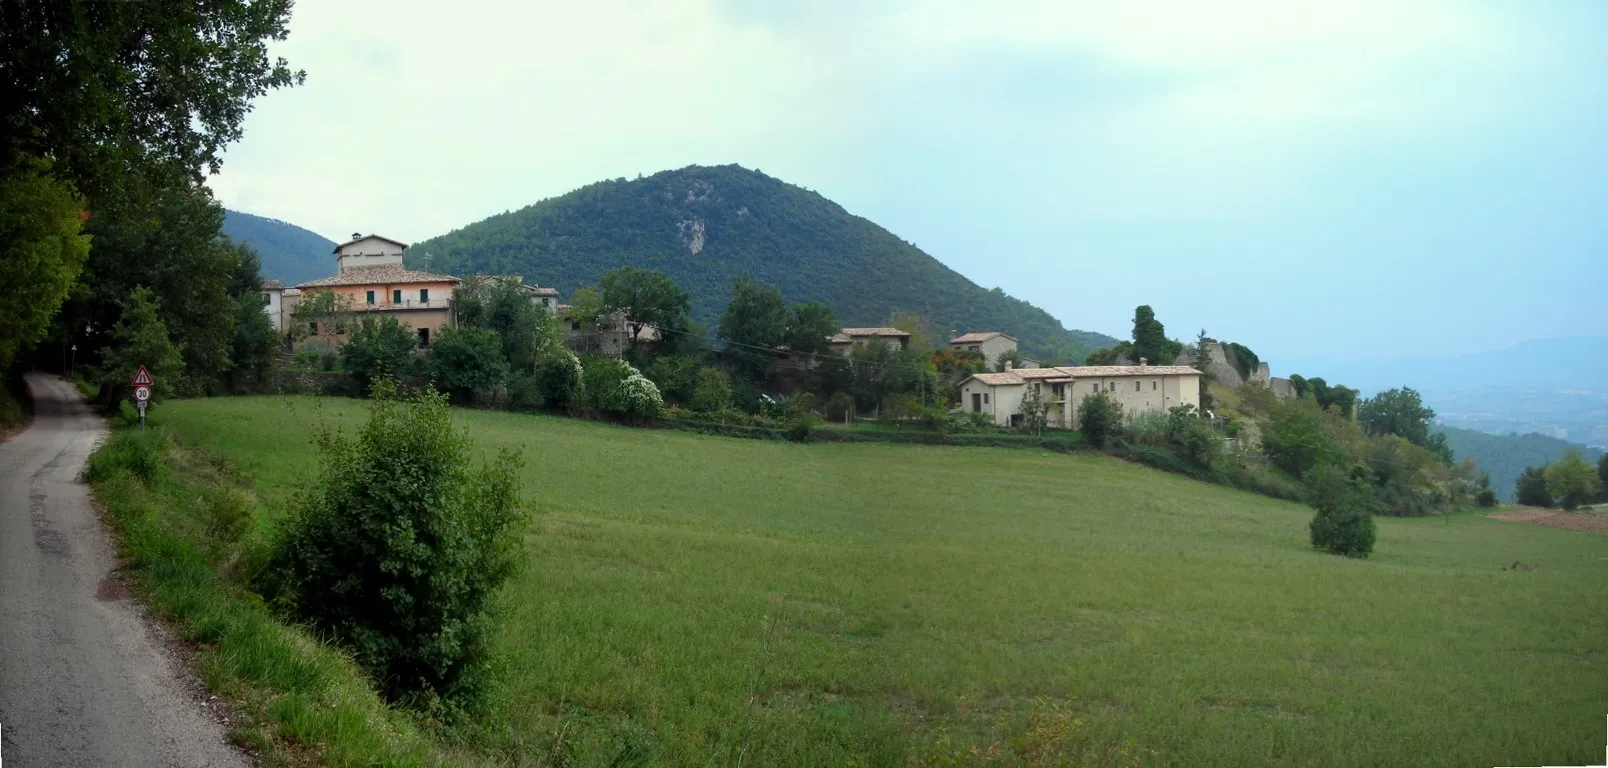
{"x":142,"y":393}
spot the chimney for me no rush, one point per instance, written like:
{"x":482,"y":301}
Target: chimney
{"x":1008,"y":365}
{"x":356,"y":235}
{"x":1143,"y":362}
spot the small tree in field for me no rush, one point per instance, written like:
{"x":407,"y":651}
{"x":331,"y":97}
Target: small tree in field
{"x":1344,"y":523}
{"x":1531,"y":488}
{"x":1034,"y":411}
{"x":398,"y":547}
{"x":1100,"y":418}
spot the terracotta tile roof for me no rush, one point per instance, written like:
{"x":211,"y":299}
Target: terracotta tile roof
{"x":977,"y":337}
{"x":847,"y":334}
{"x":384,"y":274}
{"x":1071,"y":373}
{"x":361,"y":238}
{"x":272,"y":285}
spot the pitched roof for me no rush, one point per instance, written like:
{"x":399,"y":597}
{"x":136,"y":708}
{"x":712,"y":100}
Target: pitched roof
{"x":519,"y":282}
{"x":272,"y":285}
{"x":361,"y":238}
{"x":1070,"y":373}
{"x":845,"y":335}
{"x":978,"y":337}
{"x":384,"y":274}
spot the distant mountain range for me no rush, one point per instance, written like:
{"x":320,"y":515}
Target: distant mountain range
{"x":1505,"y":456}
{"x":289,"y":253}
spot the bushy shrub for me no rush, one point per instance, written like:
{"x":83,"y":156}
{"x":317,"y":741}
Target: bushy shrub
{"x":379,"y":346}
{"x":1295,"y":440}
{"x":1151,"y":428}
{"x":1344,"y":523}
{"x":398,"y":547}
{"x":1531,"y":488}
{"x":558,"y":377}
{"x":712,"y":391}
{"x":1485,"y":498}
{"x":1099,"y":418}
{"x":612,"y":387}
{"x":468,"y":363}
{"x":1197,"y":440}
{"x":840,"y":407}
{"x":802,"y":427}
{"x":637,"y":399}
{"x":677,"y":377}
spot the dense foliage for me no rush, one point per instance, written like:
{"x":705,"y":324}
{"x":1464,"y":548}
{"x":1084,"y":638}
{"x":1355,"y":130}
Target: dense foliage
{"x":399,"y":546}
{"x":1100,"y":417}
{"x":1344,"y":523}
{"x":467,"y":363}
{"x":41,"y":253}
{"x":703,"y":226}
{"x":380,"y":347}
{"x":1572,"y":481}
{"x":1530,"y":489}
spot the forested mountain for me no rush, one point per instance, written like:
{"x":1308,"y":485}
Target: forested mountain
{"x":289,"y":253}
{"x":705,"y":225}
{"x":1505,"y":456}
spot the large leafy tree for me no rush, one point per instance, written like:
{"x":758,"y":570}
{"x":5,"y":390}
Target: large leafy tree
{"x":1150,"y":336}
{"x":255,"y":342}
{"x":42,"y":251}
{"x":809,"y":328}
{"x":755,"y":322}
{"x":1401,"y":412}
{"x":141,"y":338}
{"x":133,"y":103}
{"x":527,"y":329}
{"x":647,"y":297}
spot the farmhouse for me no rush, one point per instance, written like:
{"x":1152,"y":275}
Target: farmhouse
{"x":1139,"y":388}
{"x":370,"y":278}
{"x":991,"y":345}
{"x":547,"y":297}
{"x":846,"y":340}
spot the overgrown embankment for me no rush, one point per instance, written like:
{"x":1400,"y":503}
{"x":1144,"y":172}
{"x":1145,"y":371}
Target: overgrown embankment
{"x":191,"y":537}
{"x":16,"y":408}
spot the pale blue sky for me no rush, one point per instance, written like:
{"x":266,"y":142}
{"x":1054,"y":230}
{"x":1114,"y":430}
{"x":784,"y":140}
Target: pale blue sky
{"x":1376,"y":180}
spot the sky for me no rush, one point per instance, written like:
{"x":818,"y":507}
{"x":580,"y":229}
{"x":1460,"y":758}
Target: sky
{"x":1340,"y":181}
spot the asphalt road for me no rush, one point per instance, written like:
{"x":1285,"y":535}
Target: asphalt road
{"x":83,"y":680}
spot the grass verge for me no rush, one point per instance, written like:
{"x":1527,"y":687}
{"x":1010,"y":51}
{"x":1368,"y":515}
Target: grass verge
{"x":188,"y":528}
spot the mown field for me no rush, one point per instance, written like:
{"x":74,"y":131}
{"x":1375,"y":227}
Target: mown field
{"x":696,"y":600}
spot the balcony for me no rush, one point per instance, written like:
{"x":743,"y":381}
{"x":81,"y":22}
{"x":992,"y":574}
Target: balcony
{"x":401,"y":306}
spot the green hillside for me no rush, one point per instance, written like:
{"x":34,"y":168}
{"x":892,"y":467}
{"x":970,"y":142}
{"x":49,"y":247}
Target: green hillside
{"x":289,"y":253}
{"x":1505,"y":456}
{"x":704,"y":226}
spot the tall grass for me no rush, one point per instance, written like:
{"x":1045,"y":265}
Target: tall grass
{"x":696,"y":600}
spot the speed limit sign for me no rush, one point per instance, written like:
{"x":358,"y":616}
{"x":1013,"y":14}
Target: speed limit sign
{"x":142,"y":393}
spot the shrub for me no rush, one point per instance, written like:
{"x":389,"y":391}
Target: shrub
{"x":1485,"y":498}
{"x":610,"y":386}
{"x":1531,"y":488}
{"x":1099,"y":418}
{"x":802,"y":427}
{"x":677,"y":377}
{"x":1197,"y":439}
{"x":1572,"y":480}
{"x":1151,"y":428}
{"x":467,"y":362}
{"x":398,"y":547}
{"x":558,"y":377}
{"x":1344,"y":523}
{"x":712,"y":391}
{"x":139,"y":452}
{"x":637,"y":399}
{"x":379,"y":347}
{"x":1295,"y":440}
{"x":840,"y":407}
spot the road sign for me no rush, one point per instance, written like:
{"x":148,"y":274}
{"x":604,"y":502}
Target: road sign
{"x":142,"y":379}
{"x":141,"y":394}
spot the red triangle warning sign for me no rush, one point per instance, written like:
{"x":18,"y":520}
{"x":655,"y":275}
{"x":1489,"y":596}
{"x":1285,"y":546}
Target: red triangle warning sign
{"x":143,"y":378}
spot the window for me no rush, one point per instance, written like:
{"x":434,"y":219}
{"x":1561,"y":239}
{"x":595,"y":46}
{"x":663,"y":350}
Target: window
{"x":575,"y":326}
{"x":424,"y":295}
{"x":1152,"y":386}
{"x":371,"y":298}
{"x":267,"y":298}
{"x":396,"y":296}
{"x":985,"y":398}
{"x":972,"y":348}
{"x":424,"y":337}
{"x":1136,"y":386}
{"x":313,"y":326}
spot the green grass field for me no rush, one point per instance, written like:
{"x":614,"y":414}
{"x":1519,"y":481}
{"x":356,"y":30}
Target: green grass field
{"x":696,"y":600}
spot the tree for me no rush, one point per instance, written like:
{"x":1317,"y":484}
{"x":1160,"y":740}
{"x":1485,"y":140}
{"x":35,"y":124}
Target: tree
{"x":467,"y":361}
{"x":1099,"y":418}
{"x":712,"y":393}
{"x":255,"y":343}
{"x":1572,"y":480}
{"x":1295,"y":439}
{"x":1344,"y":523}
{"x":1397,"y":411}
{"x":400,"y":545}
{"x":558,"y":378}
{"x":1035,"y":412}
{"x":42,"y":251}
{"x":1531,"y":488}
{"x":527,"y":329}
{"x":1150,"y":337}
{"x":755,"y":323}
{"x":1602,"y":475}
{"x":809,"y":328}
{"x":322,"y":314}
{"x":141,"y":338}
{"x":380,"y":347}
{"x":676,"y":376}
{"x":646,"y":296}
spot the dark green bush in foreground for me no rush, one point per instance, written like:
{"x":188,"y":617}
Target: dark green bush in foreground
{"x":1344,"y":523}
{"x":399,"y":546}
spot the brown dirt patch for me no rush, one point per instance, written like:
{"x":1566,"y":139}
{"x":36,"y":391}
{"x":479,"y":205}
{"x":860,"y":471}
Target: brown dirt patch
{"x":1573,"y":521}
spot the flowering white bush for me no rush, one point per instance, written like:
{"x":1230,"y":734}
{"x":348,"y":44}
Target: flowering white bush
{"x":638,"y":398}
